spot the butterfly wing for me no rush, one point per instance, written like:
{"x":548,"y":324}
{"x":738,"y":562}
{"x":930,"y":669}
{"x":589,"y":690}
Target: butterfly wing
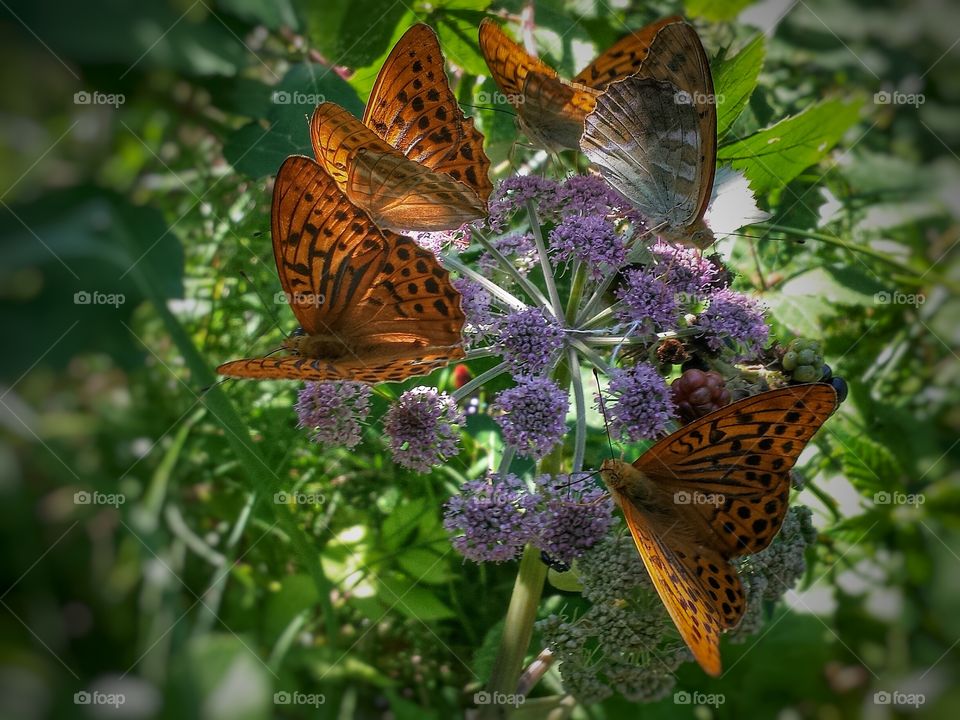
{"x":654,"y":134}
{"x":624,"y":57}
{"x":647,"y":146}
{"x":677,"y":56}
{"x":413,"y":109}
{"x":701,"y":591}
{"x":397,"y":192}
{"x":550,"y":110}
{"x":742,"y":455}
{"x":388,"y":300}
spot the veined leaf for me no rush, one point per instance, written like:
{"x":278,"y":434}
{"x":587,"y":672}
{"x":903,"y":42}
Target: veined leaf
{"x":734,"y":80}
{"x":773,"y":157}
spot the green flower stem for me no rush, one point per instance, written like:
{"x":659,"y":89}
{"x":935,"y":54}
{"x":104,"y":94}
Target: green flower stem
{"x":479,"y":381}
{"x":525,"y":600}
{"x":545,"y":261}
{"x":532,"y":291}
{"x":913,"y":276}
{"x":495,"y":290}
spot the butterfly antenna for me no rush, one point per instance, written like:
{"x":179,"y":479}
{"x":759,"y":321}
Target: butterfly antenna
{"x":603,"y":411}
{"x":205,"y":390}
{"x":267,"y":306}
{"x":490,"y":108}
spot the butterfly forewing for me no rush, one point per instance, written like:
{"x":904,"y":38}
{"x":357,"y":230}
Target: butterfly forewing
{"x":740,"y":456}
{"x":413,"y":108}
{"x":624,"y":57}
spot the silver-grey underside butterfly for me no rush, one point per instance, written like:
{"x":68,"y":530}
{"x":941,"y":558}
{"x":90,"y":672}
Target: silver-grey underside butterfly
{"x":653,"y":136}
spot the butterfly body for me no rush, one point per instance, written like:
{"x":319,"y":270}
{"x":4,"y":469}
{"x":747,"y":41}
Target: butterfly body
{"x":714,"y":490}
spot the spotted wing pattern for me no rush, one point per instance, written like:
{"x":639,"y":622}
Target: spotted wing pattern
{"x":374,"y":305}
{"x":741,"y":455}
{"x":413,"y":108}
{"x":624,"y":58}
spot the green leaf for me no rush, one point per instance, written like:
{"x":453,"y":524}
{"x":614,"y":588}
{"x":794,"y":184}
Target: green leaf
{"x":296,"y":593}
{"x":351,"y":32}
{"x":427,"y":565}
{"x":404,"y":519}
{"x":458,"y":37}
{"x":734,"y":80}
{"x":773,"y":157}
{"x":273,"y":14}
{"x":407,"y":597}
{"x":257,"y":149}
{"x":715,"y":11}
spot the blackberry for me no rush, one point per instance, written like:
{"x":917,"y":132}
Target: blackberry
{"x":698,"y":393}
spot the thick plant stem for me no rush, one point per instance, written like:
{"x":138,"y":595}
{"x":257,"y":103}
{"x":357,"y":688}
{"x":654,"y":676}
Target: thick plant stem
{"x":522,"y":612}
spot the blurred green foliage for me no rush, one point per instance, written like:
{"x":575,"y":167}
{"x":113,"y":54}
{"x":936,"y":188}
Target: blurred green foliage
{"x":203,"y":594}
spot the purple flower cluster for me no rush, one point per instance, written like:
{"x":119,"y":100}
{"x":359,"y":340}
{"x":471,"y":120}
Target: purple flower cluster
{"x":529,"y":340}
{"x":590,"y":195}
{"x":534,"y":413}
{"x":493,"y":519}
{"x":513,"y":194}
{"x":644,"y":403}
{"x":591,"y":239}
{"x":475,"y":302}
{"x":423,"y":428}
{"x":334,"y":411}
{"x":684,"y":269}
{"x":570,"y":521}
{"x":734,"y":323}
{"x":647,"y":301}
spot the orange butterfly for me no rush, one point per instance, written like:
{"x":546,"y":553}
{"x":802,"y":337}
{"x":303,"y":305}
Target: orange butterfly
{"x":415,"y":162}
{"x":551,"y":110}
{"x":653,"y":135}
{"x":373,"y":306}
{"x":714,"y":490}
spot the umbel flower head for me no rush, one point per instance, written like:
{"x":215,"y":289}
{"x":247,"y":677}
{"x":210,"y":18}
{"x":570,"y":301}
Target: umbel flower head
{"x":423,"y":428}
{"x":529,"y":340}
{"x":644,"y":403}
{"x":334,"y":411}
{"x":533,"y":416}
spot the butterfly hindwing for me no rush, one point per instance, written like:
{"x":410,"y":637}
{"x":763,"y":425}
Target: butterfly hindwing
{"x":734,"y":464}
{"x":646,"y":145}
{"x":683,"y":592}
{"x":396,"y":191}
